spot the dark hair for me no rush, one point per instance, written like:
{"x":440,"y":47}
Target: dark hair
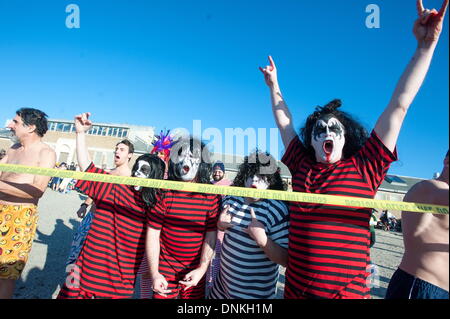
{"x":198,"y":148}
{"x":355,"y":134}
{"x":253,"y":165}
{"x":129,"y":144}
{"x":157,"y":167}
{"x":34,"y":117}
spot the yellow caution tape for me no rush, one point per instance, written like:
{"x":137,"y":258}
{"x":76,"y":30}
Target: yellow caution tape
{"x":230,"y":190}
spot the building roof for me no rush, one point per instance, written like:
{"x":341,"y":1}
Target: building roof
{"x":96,"y":123}
{"x":398,"y":184}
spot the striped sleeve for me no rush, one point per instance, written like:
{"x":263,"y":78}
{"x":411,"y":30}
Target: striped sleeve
{"x":278,"y":232}
{"x":294,"y":154}
{"x":226,"y":200}
{"x":373,"y":160}
{"x":93,"y":189}
{"x":156,"y":214}
{"x":213,"y":215}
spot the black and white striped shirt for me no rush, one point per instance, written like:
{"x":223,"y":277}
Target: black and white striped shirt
{"x":245,"y":270}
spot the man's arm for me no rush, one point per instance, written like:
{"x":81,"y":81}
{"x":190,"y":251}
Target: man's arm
{"x":427,"y":30}
{"x":3,"y":161}
{"x":82,"y":125}
{"x":282,"y":115}
{"x":273,"y":251}
{"x":193,"y":277}
{"x":152,"y":248}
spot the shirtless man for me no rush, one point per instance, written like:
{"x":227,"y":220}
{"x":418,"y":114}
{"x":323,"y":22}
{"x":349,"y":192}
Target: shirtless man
{"x":423,"y":271}
{"x":20,"y":193}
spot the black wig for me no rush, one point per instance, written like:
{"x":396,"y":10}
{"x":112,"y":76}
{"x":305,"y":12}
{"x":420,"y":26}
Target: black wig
{"x":157,"y":167}
{"x":197,"y":148}
{"x":355,"y":134}
{"x":259,"y":164}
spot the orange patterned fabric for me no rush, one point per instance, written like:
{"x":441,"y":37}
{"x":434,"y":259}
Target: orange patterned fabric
{"x":17,"y":228}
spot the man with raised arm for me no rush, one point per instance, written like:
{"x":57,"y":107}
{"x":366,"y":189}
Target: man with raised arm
{"x":20,"y":193}
{"x":115,"y":244}
{"x":329,"y":245}
{"x":123,"y":153}
{"x":423,"y":271}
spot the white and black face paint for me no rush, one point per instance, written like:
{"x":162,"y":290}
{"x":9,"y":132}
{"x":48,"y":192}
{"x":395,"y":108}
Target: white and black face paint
{"x":257,"y":182}
{"x":328,"y":139}
{"x":143,"y":171}
{"x":188,"y":165}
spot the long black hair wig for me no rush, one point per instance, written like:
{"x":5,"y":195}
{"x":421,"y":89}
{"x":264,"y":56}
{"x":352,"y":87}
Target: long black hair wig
{"x":157,"y":167}
{"x":198,"y":149}
{"x":355,"y":134}
{"x":259,"y":164}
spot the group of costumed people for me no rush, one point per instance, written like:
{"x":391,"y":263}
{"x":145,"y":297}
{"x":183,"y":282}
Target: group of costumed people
{"x":174,"y":252}
{"x":170,"y":236}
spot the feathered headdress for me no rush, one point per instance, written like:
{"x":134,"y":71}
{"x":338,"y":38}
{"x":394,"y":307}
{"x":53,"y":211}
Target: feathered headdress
{"x":162,"y":144}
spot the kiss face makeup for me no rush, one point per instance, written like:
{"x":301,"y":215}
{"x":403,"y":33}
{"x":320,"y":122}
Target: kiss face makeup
{"x":328,"y":140}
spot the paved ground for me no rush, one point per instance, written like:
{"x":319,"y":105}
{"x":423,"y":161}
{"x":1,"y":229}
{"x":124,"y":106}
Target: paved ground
{"x":45,"y":270}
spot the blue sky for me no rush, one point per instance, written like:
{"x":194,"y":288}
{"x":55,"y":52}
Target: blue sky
{"x":168,"y":63}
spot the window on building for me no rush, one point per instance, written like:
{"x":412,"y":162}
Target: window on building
{"x":66,"y":127}
{"x":104,"y":131}
{"x":93,"y":130}
{"x":52,"y":126}
{"x":113,"y":131}
{"x":59,"y":127}
{"x":124,"y":133}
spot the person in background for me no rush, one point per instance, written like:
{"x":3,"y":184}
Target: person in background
{"x":373,"y":222}
{"x":218,"y":176}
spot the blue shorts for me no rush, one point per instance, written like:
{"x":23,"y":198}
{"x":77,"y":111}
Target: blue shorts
{"x":406,"y":286}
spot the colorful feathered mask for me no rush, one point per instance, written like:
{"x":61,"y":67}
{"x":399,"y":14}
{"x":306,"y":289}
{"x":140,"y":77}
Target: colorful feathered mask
{"x":162,"y":145}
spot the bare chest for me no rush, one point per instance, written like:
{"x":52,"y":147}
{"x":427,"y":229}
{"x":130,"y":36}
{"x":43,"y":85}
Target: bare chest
{"x":20,"y":157}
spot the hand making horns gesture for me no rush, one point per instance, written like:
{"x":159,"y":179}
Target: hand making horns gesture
{"x":270,"y":73}
{"x":428,"y":26}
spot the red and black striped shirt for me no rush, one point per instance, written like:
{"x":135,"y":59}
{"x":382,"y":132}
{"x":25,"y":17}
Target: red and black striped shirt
{"x":184,"y":218}
{"x":114,"y":246}
{"x":329,"y":245}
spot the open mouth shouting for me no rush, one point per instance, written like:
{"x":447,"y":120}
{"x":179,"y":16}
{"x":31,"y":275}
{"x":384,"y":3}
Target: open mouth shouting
{"x":328,"y":147}
{"x":186,"y":169}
